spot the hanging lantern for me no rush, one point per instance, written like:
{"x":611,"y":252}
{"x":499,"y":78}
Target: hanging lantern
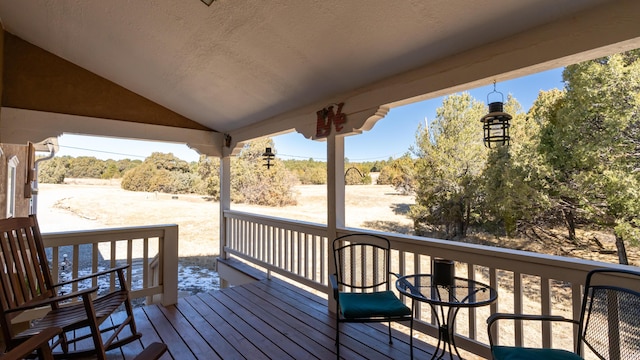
{"x":496,"y":122}
{"x":268,"y":156}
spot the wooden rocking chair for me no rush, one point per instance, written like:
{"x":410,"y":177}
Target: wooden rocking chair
{"x":26,"y":284}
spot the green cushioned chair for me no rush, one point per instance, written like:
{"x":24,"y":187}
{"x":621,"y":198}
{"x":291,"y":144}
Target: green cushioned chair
{"x":361,"y":284}
{"x":609,"y":323}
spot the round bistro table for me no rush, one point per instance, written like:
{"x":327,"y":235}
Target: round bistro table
{"x":462,"y":293}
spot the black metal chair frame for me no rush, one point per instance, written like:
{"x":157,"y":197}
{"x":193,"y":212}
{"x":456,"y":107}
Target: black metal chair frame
{"x":588,"y":314}
{"x":346,"y":244}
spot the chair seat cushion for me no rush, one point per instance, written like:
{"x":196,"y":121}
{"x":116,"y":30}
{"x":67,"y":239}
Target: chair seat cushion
{"x":522,"y":353}
{"x":376,"y":304}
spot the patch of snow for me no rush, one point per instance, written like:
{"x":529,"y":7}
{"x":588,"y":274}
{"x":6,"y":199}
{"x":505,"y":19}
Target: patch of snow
{"x":192,"y":280}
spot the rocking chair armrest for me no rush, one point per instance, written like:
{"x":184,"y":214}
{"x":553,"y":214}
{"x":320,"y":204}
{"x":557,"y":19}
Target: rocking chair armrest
{"x":38,"y":341}
{"x":49,"y":301}
{"x":334,"y":285}
{"x":96,"y":274}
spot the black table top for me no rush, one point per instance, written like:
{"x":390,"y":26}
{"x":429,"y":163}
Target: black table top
{"x":461,"y":293}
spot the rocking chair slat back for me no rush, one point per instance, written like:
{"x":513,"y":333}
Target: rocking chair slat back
{"x":22,"y":259}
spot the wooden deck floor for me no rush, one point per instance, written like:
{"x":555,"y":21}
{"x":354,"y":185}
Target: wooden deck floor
{"x":269,"y":319}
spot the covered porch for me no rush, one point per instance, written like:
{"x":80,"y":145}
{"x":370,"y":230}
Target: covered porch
{"x":69,"y":68}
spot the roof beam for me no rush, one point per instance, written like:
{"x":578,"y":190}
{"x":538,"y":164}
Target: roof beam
{"x":19,"y":126}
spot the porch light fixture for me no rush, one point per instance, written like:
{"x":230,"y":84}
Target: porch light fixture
{"x":496,"y":122}
{"x":268,"y":156}
{"x":207,"y":2}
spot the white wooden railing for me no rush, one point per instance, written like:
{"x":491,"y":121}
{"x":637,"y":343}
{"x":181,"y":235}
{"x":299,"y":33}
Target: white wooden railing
{"x":526,"y":282}
{"x":150,"y":251}
{"x":295,"y":249}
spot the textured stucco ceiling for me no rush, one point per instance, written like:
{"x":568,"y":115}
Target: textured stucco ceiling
{"x":241,"y":61}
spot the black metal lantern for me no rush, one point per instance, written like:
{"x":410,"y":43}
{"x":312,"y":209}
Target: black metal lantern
{"x":268,"y":156}
{"x":496,"y":122}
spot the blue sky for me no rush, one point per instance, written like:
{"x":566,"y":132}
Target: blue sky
{"x":390,"y":137}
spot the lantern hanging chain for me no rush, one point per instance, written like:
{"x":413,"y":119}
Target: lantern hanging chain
{"x":495,"y":91}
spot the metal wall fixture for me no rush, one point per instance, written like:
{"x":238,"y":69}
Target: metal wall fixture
{"x":496,"y":122}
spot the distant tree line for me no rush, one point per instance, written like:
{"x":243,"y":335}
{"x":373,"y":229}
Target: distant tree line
{"x":163,"y":172}
{"x":55,"y":170}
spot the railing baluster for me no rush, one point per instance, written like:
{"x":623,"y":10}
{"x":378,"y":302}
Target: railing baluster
{"x":234,"y":236}
{"x":304,"y":255}
{"x":300,"y":260}
{"x":323,"y":260}
{"x":306,"y":252}
{"x":493,"y":282}
{"x":253,"y":240}
{"x":576,"y":296}
{"x":95,"y":259}
{"x":401,"y":266}
{"x":75,"y":263}
{"x":113,"y":264}
{"x":518,"y":307}
{"x":314,"y":257}
{"x":240,"y":237}
{"x":287,"y":240}
{"x":278,"y":247}
{"x":246,"y":237}
{"x":472,"y":318}
{"x":269,"y":249}
{"x":545,"y":300}
{"x":55,"y":264}
{"x":129,"y":260}
{"x":145,"y":263}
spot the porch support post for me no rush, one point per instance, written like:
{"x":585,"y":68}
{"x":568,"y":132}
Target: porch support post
{"x":225,"y":204}
{"x":335,"y":199}
{"x":170,"y":266}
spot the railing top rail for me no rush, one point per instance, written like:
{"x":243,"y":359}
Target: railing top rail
{"x":78,"y":237}
{"x":115,"y":230}
{"x":545,"y":265}
{"x":251,"y":216}
{"x":309,"y":227}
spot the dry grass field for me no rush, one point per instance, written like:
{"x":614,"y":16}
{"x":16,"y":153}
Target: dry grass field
{"x":91,"y":204}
